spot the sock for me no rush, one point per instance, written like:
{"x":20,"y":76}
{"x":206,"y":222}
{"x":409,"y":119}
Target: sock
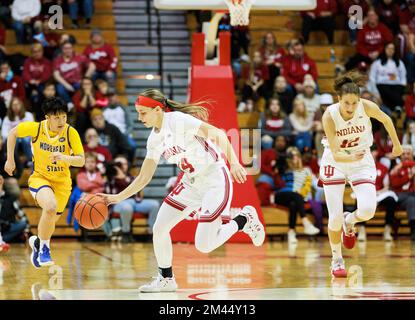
{"x":336,"y":250}
{"x":241,"y":221}
{"x":44,"y":242}
{"x":412,"y":225}
{"x":1,"y":238}
{"x":351,"y":218}
{"x":74,"y":21}
{"x":88,"y":20}
{"x":166,"y":272}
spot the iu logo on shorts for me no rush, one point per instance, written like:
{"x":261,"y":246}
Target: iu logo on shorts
{"x":177,"y":190}
{"x":328,"y":171}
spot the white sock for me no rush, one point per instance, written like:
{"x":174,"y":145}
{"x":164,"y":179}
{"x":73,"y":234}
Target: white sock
{"x":351,"y":218}
{"x":1,"y":238}
{"x":336,"y":250}
{"x":44,"y":242}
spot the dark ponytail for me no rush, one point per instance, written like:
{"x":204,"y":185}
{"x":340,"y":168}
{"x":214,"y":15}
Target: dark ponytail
{"x":349,"y":83}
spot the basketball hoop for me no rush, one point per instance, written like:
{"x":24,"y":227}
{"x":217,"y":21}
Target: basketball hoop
{"x":239,"y":11}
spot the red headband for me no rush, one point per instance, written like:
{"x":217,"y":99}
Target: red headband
{"x":151,"y":103}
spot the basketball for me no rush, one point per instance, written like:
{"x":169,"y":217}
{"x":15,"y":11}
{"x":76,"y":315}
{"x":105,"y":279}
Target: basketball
{"x":91,"y":211}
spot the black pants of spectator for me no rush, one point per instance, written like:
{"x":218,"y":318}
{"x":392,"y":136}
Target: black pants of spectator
{"x":240,"y":38}
{"x":391,"y":95}
{"x":295,"y":203}
{"x":248,"y":93}
{"x":325,"y":24}
{"x":273,"y":72}
{"x":83,"y":122}
{"x":390,"y":206}
{"x":355,"y":60}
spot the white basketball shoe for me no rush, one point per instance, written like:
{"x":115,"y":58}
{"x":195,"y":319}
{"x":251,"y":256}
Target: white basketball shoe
{"x":160,"y":284}
{"x":253,"y":227}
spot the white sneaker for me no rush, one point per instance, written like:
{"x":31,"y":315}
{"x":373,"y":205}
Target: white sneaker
{"x":253,"y":227}
{"x":362,"y":234}
{"x":387,"y":236}
{"x":309,"y":228}
{"x":160,"y":284}
{"x":292,"y":239}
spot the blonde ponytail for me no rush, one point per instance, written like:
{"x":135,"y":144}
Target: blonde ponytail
{"x":196,"y":109}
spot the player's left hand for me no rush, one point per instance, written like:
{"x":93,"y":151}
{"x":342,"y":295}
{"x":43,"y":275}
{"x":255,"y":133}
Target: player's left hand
{"x":397,"y":151}
{"x":238,"y":173}
{"x":56,"y":156}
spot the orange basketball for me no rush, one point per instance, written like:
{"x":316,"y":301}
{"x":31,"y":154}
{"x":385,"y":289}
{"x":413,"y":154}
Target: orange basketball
{"x":91,"y":211}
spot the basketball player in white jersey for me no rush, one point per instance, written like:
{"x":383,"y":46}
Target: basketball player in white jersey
{"x":347,"y":157}
{"x":181,"y":136}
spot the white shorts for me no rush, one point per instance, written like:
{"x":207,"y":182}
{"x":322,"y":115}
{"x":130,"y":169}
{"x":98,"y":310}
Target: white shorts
{"x":355,"y":173}
{"x":210,"y":192}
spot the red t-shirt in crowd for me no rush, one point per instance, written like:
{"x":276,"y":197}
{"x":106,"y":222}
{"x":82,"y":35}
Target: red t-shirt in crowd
{"x":410,"y":106}
{"x":383,"y":146}
{"x":323,"y":5}
{"x":37,"y":70}
{"x":103,"y":154}
{"x":389,"y":14}
{"x":72,"y":70}
{"x":260,"y":73}
{"x":407,"y":18}
{"x":294,"y":69}
{"x":400,"y":181}
{"x":373,"y":39}
{"x":2,"y":36}
{"x":277,"y":56}
{"x":268,"y":161}
{"x":103,"y":57}
{"x":15,"y":87}
{"x":381,"y":173}
{"x":274,"y":123}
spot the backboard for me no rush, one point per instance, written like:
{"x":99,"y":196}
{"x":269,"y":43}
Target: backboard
{"x":220,"y":4}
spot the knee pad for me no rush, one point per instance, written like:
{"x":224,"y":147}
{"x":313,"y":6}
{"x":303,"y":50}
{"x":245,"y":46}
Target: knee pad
{"x":335,"y":221}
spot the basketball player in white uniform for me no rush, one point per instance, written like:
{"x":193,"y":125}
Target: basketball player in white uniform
{"x":347,"y":158}
{"x":181,"y":138}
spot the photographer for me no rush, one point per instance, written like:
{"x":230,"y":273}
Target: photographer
{"x":10,"y":227}
{"x":402,"y":178}
{"x":118,"y":179}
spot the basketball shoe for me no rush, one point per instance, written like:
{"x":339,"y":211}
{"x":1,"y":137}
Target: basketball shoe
{"x":34,"y":243}
{"x":253,"y":226}
{"x":338,"y":269}
{"x":160,"y":284}
{"x":4,"y":247}
{"x":44,"y":258}
{"x":348,"y":234}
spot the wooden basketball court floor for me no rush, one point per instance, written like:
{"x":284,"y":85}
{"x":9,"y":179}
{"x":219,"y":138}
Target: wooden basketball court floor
{"x":376,"y":270}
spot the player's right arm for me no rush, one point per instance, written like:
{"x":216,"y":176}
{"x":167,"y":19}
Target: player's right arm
{"x":24,"y":129}
{"x":330,"y":131}
{"x":143,"y":179}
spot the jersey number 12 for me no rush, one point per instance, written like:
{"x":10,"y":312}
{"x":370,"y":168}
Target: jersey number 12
{"x":350,"y":143}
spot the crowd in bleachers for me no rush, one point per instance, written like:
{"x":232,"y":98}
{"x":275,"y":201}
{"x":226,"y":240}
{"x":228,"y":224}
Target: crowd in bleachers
{"x":87,"y":83}
{"x":280,"y":81}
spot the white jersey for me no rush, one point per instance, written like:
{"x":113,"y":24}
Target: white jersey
{"x":354,"y":134}
{"x":178,"y":143}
